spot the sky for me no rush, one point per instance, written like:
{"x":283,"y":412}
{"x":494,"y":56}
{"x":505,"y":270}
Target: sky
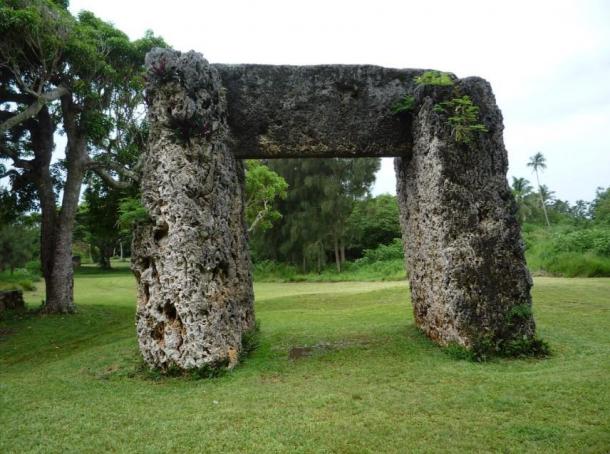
{"x":547,"y":61}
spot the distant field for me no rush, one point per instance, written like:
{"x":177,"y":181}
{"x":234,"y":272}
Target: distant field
{"x":361,"y":379}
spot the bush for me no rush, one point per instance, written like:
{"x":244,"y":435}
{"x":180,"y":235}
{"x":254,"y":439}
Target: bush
{"x":34,"y":269}
{"x":434,"y":78}
{"x":564,"y":251}
{"x":383,"y":252}
{"x":593,"y":240}
{"x":573,"y":264}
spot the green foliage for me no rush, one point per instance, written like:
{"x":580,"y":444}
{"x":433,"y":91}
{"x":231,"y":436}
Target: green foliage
{"x":520,"y":311}
{"x":17,"y":246}
{"x":600,"y":208}
{"x":571,"y":264}
{"x":568,"y":250}
{"x":96,"y":221}
{"x":250,"y":341}
{"x":406,"y":104}
{"x":383,"y":263}
{"x":383,"y":252}
{"x":463,"y":118}
{"x":131,"y":212}
{"x":263,"y":188}
{"x":486,"y":349}
{"x":594,"y":240}
{"x":373,"y":221}
{"x":438,"y":78}
{"x":320,"y":199}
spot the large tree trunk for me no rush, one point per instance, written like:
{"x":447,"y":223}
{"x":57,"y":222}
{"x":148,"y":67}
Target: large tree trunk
{"x":60,"y":292}
{"x":106,"y":251}
{"x":42,"y":143}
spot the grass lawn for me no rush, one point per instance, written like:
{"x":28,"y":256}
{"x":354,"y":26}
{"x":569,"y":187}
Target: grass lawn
{"x":364,"y":379}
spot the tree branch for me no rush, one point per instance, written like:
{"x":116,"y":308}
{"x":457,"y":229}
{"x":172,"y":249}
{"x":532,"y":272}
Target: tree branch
{"x":259,"y":216}
{"x":101,"y":169}
{"x":104,"y":175}
{"x":8,"y":173}
{"x":14,"y":156}
{"x":33,"y":108}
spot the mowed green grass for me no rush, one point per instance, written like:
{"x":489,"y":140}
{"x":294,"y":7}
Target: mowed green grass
{"x":371,"y":384}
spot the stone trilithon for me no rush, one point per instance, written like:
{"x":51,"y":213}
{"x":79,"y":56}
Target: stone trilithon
{"x":462,"y":242}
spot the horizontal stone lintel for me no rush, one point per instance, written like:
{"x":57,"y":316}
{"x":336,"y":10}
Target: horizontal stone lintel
{"x":317,"y":111}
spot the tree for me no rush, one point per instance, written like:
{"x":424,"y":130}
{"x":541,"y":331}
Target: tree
{"x":77,"y":73}
{"x":372,"y":222}
{"x":263,"y":187}
{"x":521,"y":189}
{"x":17,"y":245}
{"x":321,"y":196}
{"x":600,"y":207}
{"x":538,"y":162}
{"x":98,"y":218}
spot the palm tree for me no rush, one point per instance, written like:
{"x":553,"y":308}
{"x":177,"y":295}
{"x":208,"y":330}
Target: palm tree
{"x":521,"y":189}
{"x":538,"y":161}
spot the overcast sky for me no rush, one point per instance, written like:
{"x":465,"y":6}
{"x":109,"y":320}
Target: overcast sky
{"x":548,"y":61}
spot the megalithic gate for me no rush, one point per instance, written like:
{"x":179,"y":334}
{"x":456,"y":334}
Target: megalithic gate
{"x":469,"y":282}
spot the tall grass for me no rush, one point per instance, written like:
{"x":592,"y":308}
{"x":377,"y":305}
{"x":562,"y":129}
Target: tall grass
{"x":567,"y":251}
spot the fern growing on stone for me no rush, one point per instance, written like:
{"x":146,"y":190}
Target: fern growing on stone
{"x":463,"y":118}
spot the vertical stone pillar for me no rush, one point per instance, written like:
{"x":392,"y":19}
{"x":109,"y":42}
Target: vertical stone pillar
{"x":463,"y":248}
{"x":191,"y":259}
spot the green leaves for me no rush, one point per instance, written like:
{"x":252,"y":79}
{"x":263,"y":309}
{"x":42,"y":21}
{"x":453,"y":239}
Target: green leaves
{"x":463,"y":117}
{"x":406,"y":104}
{"x":131,"y":212}
{"x":263,"y":188}
{"x":434,"y":78}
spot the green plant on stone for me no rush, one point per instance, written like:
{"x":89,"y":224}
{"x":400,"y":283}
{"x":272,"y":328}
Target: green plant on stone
{"x":463,"y":118}
{"x":250,"y":340}
{"x":406,"y":104}
{"x":438,"y":78}
{"x":520,"y":311}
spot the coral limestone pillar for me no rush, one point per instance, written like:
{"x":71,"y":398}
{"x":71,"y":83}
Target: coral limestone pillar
{"x":469,"y":281}
{"x":191,"y":261}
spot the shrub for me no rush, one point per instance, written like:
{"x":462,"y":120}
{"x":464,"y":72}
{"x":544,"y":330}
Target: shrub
{"x":486,"y":349}
{"x":250,"y":341}
{"x":463,"y":118}
{"x":434,"y":78}
{"x":383,"y":252}
{"x":565,"y":251}
{"x":404,"y":105}
{"x":593,"y":240}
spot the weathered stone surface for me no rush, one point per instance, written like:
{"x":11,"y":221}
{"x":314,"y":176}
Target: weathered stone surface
{"x":191,"y":260}
{"x":316,"y":111}
{"x":469,"y":281}
{"x":462,"y":242}
{"x":11,"y":300}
